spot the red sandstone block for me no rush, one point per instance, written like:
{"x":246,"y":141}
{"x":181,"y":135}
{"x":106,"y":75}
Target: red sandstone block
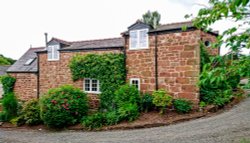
{"x":187,"y":54}
{"x":191,"y":73}
{"x":189,"y":88}
{"x":187,"y":95}
{"x":182,"y":80}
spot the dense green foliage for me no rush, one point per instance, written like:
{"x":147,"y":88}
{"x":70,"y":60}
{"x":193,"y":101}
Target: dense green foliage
{"x":146,"y":102}
{"x":152,"y":18}
{"x":109,"y":69}
{"x":127,"y":100}
{"x":8,"y":83}
{"x":30,"y":113}
{"x":162,"y":99}
{"x":6,"y":61}
{"x":63,"y":106}
{"x":9,"y":105}
{"x":182,"y":105}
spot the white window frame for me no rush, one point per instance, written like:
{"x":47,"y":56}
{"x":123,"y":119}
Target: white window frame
{"x":138,"y":47}
{"x":90,"y":86}
{"x":139,"y":82}
{"x":53,"y":47}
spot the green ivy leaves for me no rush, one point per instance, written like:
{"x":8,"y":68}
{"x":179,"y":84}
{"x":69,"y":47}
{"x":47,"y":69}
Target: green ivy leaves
{"x":109,"y":69}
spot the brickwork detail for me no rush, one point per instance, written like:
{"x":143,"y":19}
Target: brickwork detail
{"x":25,"y":86}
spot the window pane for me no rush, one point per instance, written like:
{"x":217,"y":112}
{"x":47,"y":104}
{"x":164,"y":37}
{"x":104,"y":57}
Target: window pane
{"x":87,"y":85}
{"x":94,"y":85}
{"x":49,"y":52}
{"x":56,"y":52}
{"x":143,"y":38}
{"x":133,"y":39}
{"x":135,"y":83}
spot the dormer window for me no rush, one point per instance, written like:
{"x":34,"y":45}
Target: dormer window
{"x":53,"y":53}
{"x":138,"y":39}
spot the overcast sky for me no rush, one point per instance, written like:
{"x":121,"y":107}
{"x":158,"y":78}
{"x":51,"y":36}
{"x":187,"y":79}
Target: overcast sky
{"x":23,"y":22}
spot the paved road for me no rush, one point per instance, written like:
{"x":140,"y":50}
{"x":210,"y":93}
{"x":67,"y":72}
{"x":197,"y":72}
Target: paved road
{"x":229,"y":127}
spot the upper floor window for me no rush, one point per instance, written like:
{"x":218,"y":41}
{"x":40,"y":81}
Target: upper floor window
{"x":91,"y":85}
{"x":138,"y":39}
{"x":53,"y":53}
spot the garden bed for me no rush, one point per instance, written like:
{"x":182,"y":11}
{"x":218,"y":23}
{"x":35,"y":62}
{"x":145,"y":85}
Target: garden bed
{"x":146,"y":120}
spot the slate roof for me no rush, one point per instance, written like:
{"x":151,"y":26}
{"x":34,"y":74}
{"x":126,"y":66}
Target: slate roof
{"x":19,"y":65}
{"x":3,"y":70}
{"x":95,"y":44}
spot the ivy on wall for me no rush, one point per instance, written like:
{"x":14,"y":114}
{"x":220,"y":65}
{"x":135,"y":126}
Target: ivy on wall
{"x":8,"y":83}
{"x":109,"y":69}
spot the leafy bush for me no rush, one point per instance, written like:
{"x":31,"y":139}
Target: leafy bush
{"x":128,"y":112}
{"x":99,"y":120}
{"x":8,"y":83}
{"x":127,"y":99}
{"x":162,"y":99}
{"x":147,"y":102}
{"x":63,"y":106}
{"x":94,"y":121}
{"x":182,"y":105}
{"x":30,"y":113}
{"x":108,"y":68}
{"x":9,"y":107}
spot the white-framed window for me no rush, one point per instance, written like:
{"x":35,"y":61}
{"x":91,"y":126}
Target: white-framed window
{"x":135,"y":82}
{"x":53,"y":53}
{"x":138,"y":39}
{"x":91,"y":85}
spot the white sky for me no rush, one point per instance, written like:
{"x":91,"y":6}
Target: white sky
{"x":23,"y":22}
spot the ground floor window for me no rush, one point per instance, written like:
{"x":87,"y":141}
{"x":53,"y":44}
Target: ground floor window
{"x":135,"y":82}
{"x":91,"y":85}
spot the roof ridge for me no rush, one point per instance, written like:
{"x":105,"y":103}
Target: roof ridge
{"x":36,"y":48}
{"x":101,"y":39}
{"x":173,"y":23}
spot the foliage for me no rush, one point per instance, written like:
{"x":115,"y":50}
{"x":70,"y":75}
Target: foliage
{"x":182,"y":105}
{"x":202,"y":104}
{"x":162,"y":99}
{"x":94,"y":121}
{"x":152,"y":18}
{"x":99,"y":120}
{"x":8,"y":83}
{"x":6,"y":61}
{"x":127,"y":99}
{"x":128,"y":112}
{"x":147,"y":102}
{"x":108,"y":68}
{"x":9,"y":104}
{"x":63,"y":106}
{"x":236,"y":37}
{"x":30,"y":113}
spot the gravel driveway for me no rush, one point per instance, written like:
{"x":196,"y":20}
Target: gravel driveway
{"x":231,"y":126}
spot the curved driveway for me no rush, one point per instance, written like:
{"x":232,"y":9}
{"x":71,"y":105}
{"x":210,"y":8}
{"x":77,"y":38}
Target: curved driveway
{"x":231,"y":126}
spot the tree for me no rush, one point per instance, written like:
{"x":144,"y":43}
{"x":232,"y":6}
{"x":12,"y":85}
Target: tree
{"x":236,"y":37}
{"x":152,"y":18}
{"x":220,"y":75}
{"x":5,"y":60}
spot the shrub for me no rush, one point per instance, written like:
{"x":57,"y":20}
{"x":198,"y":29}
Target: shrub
{"x":111,"y":118}
{"x":8,"y":83}
{"x":63,"y":106}
{"x":127,"y":99}
{"x":128,"y":112}
{"x":9,"y":107}
{"x":127,"y":94}
{"x":182,"y":105}
{"x":31,"y":113}
{"x":94,"y":121}
{"x":162,"y":99}
{"x":146,"y":102}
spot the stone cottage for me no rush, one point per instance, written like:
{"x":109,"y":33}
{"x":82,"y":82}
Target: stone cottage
{"x":167,"y":57}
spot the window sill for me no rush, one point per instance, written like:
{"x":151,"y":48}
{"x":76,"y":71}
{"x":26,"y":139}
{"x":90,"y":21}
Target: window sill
{"x":51,"y":60}
{"x":134,"y":49}
{"x":93,"y":92}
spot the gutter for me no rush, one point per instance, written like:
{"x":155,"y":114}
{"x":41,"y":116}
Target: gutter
{"x":156,"y":62}
{"x":38,"y":77}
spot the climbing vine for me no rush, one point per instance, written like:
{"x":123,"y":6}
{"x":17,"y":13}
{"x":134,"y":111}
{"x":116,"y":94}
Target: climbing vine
{"x":109,"y":69}
{"x":8,"y":83}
